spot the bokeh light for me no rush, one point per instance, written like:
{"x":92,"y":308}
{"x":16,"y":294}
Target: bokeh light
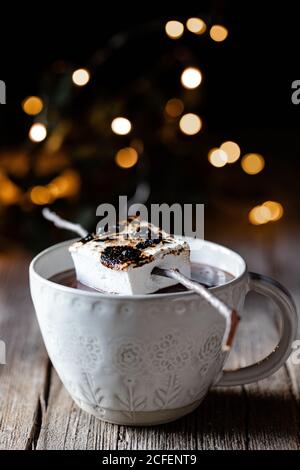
{"x":40,"y":195}
{"x":121,"y":126}
{"x":38,"y":132}
{"x":190,"y":124}
{"x":232,"y":150}
{"x":191,"y":78}
{"x":174,"y":29}
{"x":126,"y":157}
{"x":259,"y":215}
{"x":217,"y":157}
{"x":275,"y":208}
{"x":174,"y":107}
{"x":32,"y":105}
{"x":196,"y":25}
{"x":15,"y":163}
{"x":252,"y":163}
{"x":218,"y":33}
{"x":65,"y":185}
{"x":10,"y":193}
{"x":81,"y":77}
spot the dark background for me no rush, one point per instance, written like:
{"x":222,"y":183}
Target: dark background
{"x":245,"y":97}
{"x":260,"y":53}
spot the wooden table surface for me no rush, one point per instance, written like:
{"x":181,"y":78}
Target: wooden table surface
{"x":37,"y":413}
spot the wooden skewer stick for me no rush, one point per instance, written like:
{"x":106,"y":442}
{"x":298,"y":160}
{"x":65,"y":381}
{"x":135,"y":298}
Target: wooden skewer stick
{"x":62,"y":223}
{"x":230,"y":315}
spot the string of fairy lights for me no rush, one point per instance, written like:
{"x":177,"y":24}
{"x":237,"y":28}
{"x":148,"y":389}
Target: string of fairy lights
{"x":67,"y":184}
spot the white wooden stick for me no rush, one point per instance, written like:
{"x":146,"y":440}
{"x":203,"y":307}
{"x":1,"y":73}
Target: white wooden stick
{"x":230,"y":315}
{"x":62,"y":223}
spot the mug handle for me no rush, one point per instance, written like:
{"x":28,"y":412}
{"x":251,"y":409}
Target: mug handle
{"x":259,"y":370}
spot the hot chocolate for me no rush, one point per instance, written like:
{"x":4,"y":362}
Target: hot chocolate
{"x":202,"y":273}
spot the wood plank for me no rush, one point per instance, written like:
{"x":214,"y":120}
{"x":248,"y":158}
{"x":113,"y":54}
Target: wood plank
{"x":287,"y":252}
{"x":221,"y":420}
{"x":23,"y":378}
{"x":179,"y":435}
{"x":271,"y":410}
{"x":65,"y":426}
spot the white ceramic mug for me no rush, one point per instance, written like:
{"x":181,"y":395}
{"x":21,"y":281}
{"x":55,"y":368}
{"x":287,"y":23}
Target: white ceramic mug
{"x":148,"y":359}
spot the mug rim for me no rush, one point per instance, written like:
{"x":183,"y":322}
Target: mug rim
{"x":100,"y":295}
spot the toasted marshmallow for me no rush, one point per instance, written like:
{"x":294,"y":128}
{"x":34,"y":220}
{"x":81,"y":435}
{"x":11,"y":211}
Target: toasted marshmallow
{"x":122,"y":262}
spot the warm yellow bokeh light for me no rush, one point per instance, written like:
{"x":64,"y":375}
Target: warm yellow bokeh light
{"x":126,"y":157}
{"x":40,"y":195}
{"x":174,"y":107}
{"x":259,"y":215}
{"x":55,"y":141}
{"x":174,"y":29}
{"x":14,"y":162}
{"x":196,"y":25}
{"x":218,"y":33}
{"x":232,"y":150}
{"x":81,"y":77}
{"x":217,"y":157}
{"x":190,"y":124}
{"x":32,"y":105}
{"x":65,"y":185}
{"x":252,"y":163}
{"x":38,"y":132}
{"x":10,"y":193}
{"x":121,"y":126}
{"x":191,"y":78}
{"x":275,"y":208}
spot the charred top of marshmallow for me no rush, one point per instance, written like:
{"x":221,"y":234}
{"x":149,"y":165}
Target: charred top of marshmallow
{"x":114,"y":256}
{"x":132,"y":244}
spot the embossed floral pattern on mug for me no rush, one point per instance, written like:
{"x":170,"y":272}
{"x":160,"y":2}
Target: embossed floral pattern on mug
{"x":173,"y":350}
{"x":76,"y":348}
{"x":128,"y":355}
{"x":89,"y":353}
{"x":211,"y":347}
